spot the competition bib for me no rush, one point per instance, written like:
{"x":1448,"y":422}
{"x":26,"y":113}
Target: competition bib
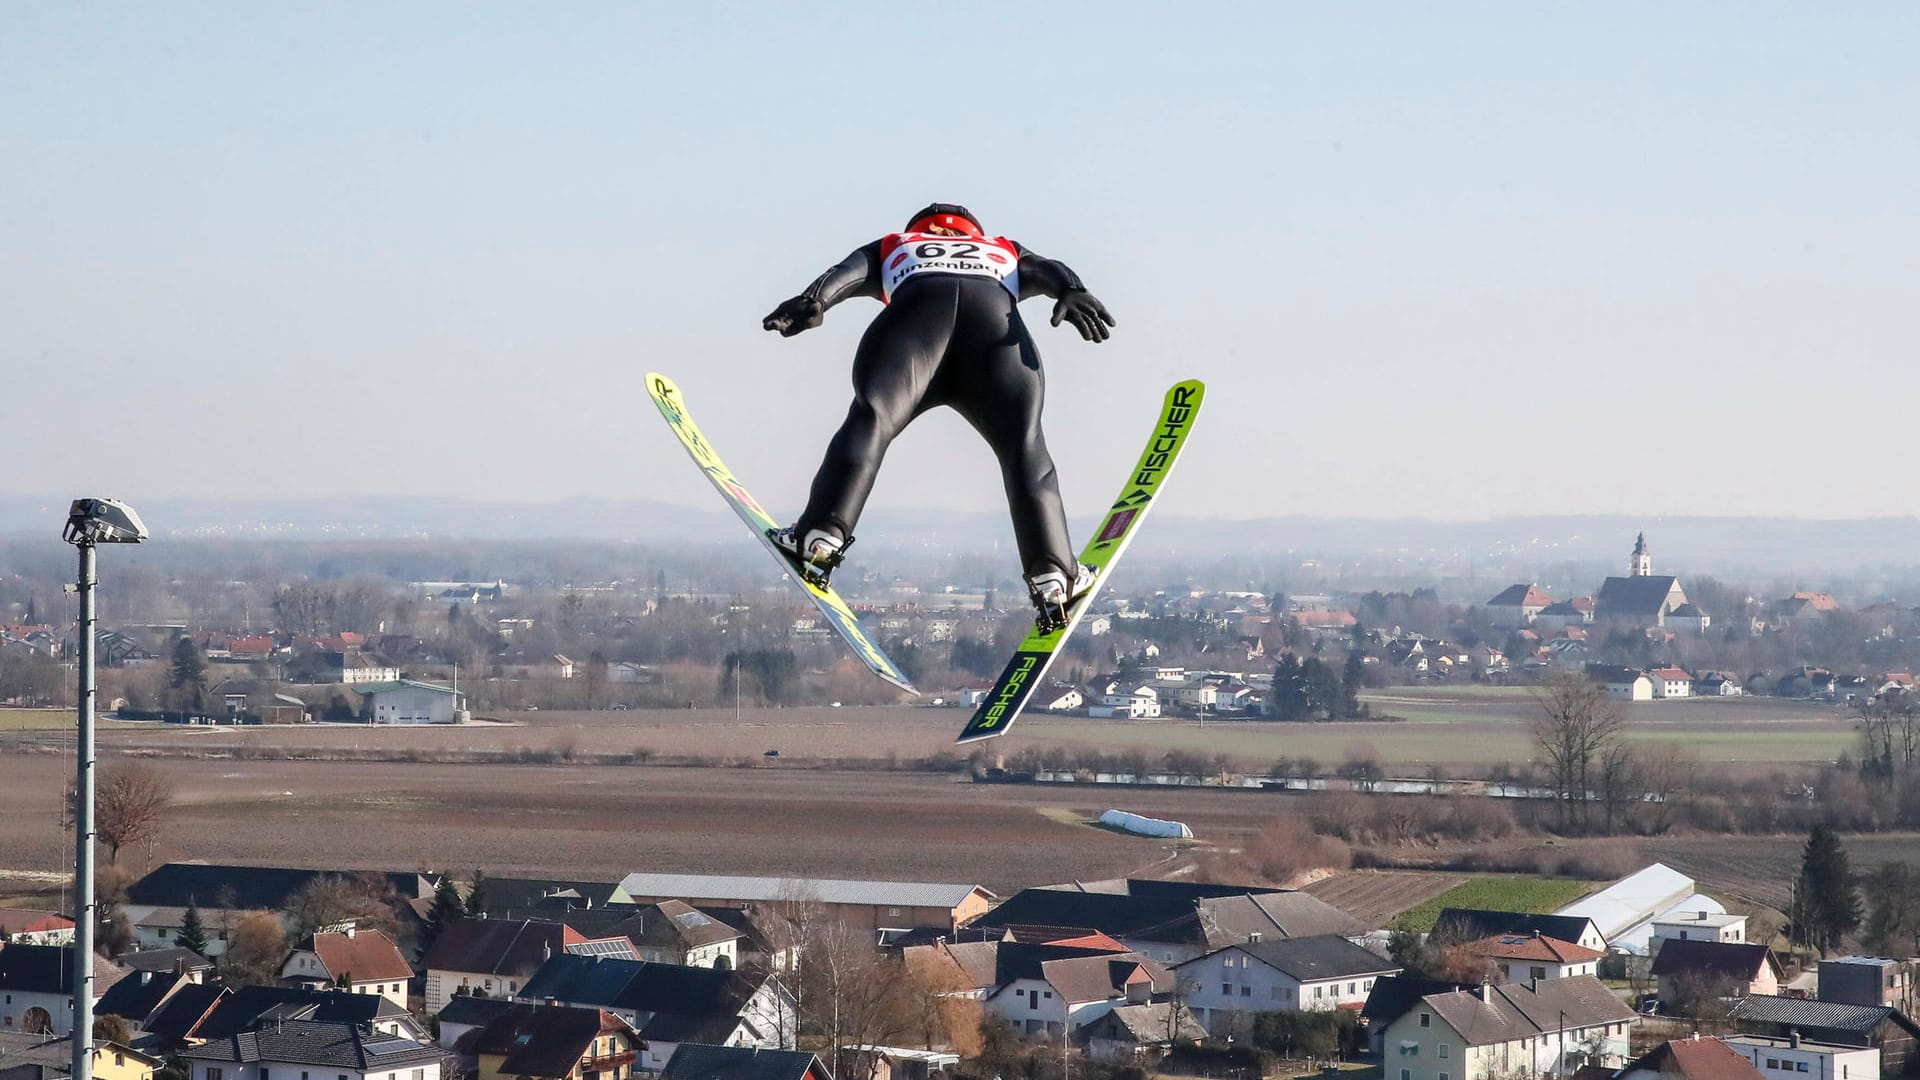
{"x":902,"y":255}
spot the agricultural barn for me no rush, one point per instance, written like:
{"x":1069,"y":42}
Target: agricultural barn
{"x":869,"y":905}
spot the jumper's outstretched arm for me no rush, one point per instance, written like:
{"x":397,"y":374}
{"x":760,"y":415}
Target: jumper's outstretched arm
{"x":856,"y":275}
{"x":1041,"y":276}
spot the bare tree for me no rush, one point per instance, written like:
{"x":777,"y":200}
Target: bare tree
{"x":1574,"y":730}
{"x":332,"y":900}
{"x":130,"y":804}
{"x":855,"y":996}
{"x":254,"y":950}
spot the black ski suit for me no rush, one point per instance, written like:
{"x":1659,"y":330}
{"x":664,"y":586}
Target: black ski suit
{"x":955,"y":340}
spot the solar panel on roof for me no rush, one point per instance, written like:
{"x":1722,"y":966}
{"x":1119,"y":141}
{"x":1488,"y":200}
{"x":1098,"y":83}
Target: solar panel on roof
{"x":390,"y":1046}
{"x":691,"y":919}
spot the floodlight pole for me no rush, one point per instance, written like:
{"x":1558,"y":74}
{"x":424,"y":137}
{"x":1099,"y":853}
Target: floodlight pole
{"x":83,"y":829}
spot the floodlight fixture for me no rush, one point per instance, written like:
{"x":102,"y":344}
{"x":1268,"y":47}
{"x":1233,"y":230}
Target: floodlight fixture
{"x":103,"y":521}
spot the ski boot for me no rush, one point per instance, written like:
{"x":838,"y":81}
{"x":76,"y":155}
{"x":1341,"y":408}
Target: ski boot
{"x":1052,"y":596}
{"x":816,"y":555}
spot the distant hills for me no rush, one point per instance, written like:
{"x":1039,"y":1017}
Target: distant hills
{"x":1517,"y":545}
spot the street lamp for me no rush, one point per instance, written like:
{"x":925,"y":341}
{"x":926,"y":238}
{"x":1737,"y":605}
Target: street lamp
{"x":90,"y":522}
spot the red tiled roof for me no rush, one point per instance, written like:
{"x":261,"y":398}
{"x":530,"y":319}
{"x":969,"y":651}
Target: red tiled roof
{"x":363,"y":956}
{"x":1534,"y":947}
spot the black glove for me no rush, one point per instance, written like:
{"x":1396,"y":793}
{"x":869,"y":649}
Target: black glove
{"x":795,"y":315}
{"x":1087,"y":314}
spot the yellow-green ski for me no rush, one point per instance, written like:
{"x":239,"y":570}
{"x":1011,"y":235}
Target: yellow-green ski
{"x":1022,"y":676}
{"x":834,"y":609}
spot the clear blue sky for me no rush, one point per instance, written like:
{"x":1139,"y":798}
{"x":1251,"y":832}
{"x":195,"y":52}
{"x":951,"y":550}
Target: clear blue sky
{"x":1445,"y":260}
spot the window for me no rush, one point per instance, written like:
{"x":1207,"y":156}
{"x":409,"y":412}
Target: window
{"x":419,"y":1074}
{"x":893,"y":913}
{"x":1048,"y":994}
{"x":1369,"y":985}
{"x":1352,"y":988}
{"x":1406,"y":1074}
{"x":1443,"y":1076}
{"x":1773,"y":1063}
{"x":1445,"y":1050}
{"x":1537,"y":972}
{"x":1426,"y":1019}
{"x":119,"y":1058}
{"x":213,"y":1072}
{"x":1246,"y":991}
{"x":1226,"y":989}
{"x":263,"y":1072}
{"x":1799,"y":1066}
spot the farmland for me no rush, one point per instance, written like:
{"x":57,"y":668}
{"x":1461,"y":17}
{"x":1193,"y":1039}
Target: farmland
{"x":1495,"y":894}
{"x":1375,"y":896}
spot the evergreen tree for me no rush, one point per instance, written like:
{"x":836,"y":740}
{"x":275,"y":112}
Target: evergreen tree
{"x":1351,"y":680}
{"x":1826,"y":896}
{"x":1323,"y":690}
{"x":189,"y":674}
{"x":1290,"y":701}
{"x":447,"y":909}
{"x":193,"y":933}
{"x":476,"y":895}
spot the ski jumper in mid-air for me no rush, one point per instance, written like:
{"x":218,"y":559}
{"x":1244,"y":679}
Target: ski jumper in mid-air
{"x":950,"y":334}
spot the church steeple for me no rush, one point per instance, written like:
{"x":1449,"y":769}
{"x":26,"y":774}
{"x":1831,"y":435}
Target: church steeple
{"x":1642,"y":564}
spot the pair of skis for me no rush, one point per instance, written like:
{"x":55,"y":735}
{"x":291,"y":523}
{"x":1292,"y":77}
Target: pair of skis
{"x":1023,"y":674}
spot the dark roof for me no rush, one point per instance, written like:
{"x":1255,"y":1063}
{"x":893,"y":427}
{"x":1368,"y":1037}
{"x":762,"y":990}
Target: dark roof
{"x":695,"y":1061}
{"x":1521,"y":595}
{"x":1324,"y":956}
{"x":164,"y":960}
{"x":177,"y":1016}
{"x":1497,"y":1014}
{"x":543,"y":1040}
{"x":496,"y":946}
{"x":472,"y":1009}
{"x":684,"y":1001}
{"x":1824,"y":1021}
{"x":252,"y":887}
{"x":1472,"y":924}
{"x":136,"y":995}
{"x":48,"y":969}
{"x":546,"y":894}
{"x":1147,"y":1025}
{"x":1634,"y":597}
{"x":1168,"y":914}
{"x":1730,"y":959}
{"x":1393,"y":995}
{"x":1192,"y":890}
{"x":243,"y":1008}
{"x":315,"y":1042}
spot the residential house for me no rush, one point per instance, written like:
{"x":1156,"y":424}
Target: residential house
{"x":233,"y":1012}
{"x":1392,"y":997}
{"x":31,"y":926}
{"x":1041,"y":991}
{"x":1525,"y":957}
{"x":36,"y":987}
{"x":1511,"y":1029}
{"x":1716,"y":684}
{"x":1059,"y":697}
{"x":1622,"y":683}
{"x":553,"y":1042}
{"x":406,"y":702}
{"x":1722,"y":968}
{"x":524,"y":663}
{"x":1701,"y":926}
{"x":24,"y":1057}
{"x":1518,"y":605}
{"x":1306,"y":974}
{"x":1565,"y":614}
{"x":628,"y":673}
{"x":1141,"y":1034}
{"x":868,"y":905}
{"x":1688,"y":618}
{"x":1132,"y":701}
{"x":159,"y":927}
{"x":698,"y":1061}
{"x":1880,"y":1026}
{"x":217,"y":887}
{"x":332,"y":1049}
{"x":139,"y":996}
{"x":670,"y":1004}
{"x":1692,"y":1059}
{"x":874,"y":1062}
{"x":490,"y":957}
{"x":1670,"y":682}
{"x":346,"y":667}
{"x":1776,"y":1057}
{"x":675,"y":932}
{"x":355,"y":960}
{"x":500,"y":894}
{"x":463,"y":1015}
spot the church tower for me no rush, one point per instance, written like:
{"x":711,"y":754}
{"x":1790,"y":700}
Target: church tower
{"x":1642,"y":564}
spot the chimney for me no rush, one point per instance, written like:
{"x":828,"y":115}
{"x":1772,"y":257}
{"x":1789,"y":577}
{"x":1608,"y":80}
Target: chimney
{"x":1253,"y":938}
{"x":350,"y":929}
{"x":1483,"y":989}
{"x":1793,"y":1038}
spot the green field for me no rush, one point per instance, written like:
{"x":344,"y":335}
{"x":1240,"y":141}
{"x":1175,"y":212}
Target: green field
{"x":1534,"y":895}
{"x":35,"y":719}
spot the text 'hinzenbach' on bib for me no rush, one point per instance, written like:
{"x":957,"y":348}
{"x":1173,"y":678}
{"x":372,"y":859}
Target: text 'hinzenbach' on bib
{"x":902,"y":255}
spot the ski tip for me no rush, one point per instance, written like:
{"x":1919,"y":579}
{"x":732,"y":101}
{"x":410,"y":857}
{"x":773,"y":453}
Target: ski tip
{"x":976,"y":736}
